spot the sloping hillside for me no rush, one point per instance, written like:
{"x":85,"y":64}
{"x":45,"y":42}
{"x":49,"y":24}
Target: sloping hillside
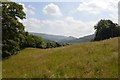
{"x":57,"y":38}
{"x":85,"y":60}
{"x":87,"y":38}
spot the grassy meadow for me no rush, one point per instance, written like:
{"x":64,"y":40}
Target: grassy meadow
{"x":84,"y":60}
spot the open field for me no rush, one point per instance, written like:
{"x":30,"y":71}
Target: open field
{"x":85,"y":60}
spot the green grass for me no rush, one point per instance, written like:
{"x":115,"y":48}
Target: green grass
{"x":85,"y":60}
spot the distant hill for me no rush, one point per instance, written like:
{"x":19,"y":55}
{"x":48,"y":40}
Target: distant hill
{"x":64,"y":39}
{"x":82,"y":39}
{"x":57,"y":38}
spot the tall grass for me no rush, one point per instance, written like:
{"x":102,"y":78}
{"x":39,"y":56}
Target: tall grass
{"x":85,"y":60}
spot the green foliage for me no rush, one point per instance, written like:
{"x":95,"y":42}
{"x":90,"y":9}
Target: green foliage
{"x":33,"y":41}
{"x":106,"y":29}
{"x":44,"y":45}
{"x":12,"y":29}
{"x":10,"y":47}
{"x":55,"y":44}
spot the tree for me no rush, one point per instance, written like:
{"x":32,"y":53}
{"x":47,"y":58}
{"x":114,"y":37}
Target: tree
{"x":12,"y":29}
{"x":106,"y":29}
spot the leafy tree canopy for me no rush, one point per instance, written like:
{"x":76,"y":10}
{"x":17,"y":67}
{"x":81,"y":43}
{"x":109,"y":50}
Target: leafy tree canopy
{"x":106,"y":29}
{"x":12,"y":29}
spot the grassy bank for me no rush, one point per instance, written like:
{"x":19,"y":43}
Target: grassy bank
{"x":85,"y":60}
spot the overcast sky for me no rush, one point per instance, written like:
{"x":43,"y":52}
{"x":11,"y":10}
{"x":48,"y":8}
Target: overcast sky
{"x":68,"y":18}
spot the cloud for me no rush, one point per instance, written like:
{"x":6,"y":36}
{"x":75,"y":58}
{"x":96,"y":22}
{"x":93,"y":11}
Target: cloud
{"x":31,"y":7}
{"x":52,"y":9}
{"x":100,"y":7}
{"x":94,"y":6}
{"x":68,"y":26}
{"x":28,"y":9}
{"x":90,"y":7}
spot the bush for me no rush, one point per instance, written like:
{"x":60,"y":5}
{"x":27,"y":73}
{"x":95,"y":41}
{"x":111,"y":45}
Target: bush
{"x":9,"y":48}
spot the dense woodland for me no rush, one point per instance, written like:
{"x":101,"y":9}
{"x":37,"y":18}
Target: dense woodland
{"x":14,"y":37}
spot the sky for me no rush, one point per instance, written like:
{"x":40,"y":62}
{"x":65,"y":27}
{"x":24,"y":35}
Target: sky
{"x":68,"y":18}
